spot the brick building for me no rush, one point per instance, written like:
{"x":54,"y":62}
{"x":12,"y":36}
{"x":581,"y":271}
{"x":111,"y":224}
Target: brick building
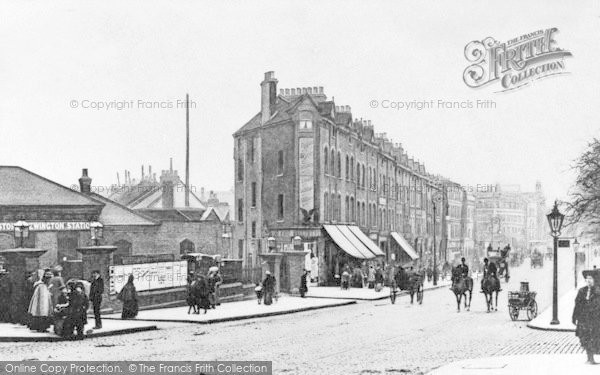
{"x":60,"y":222}
{"x":306,"y":167}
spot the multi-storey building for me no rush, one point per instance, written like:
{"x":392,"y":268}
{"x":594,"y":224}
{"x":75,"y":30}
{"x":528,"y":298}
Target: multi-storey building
{"x":306,"y":167}
{"x":506,"y":215}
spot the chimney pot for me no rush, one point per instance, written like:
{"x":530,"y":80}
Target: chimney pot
{"x":85,"y":182}
{"x":320,"y":89}
{"x":316,"y":90}
{"x":309,"y":89}
{"x":287,"y":91}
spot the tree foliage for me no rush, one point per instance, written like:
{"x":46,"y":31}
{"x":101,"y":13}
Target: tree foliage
{"x":584,"y":205}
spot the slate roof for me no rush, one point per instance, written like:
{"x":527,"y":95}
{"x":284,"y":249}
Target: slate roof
{"x":19,"y":186}
{"x":115,"y":214}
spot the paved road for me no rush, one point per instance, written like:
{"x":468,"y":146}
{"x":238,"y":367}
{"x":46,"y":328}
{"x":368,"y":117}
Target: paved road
{"x":367,"y":338}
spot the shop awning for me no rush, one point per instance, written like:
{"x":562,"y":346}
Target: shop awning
{"x":346,"y":239}
{"x":366,"y":240}
{"x":405,"y":245}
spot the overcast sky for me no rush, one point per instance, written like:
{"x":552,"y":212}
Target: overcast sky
{"x":218,"y":52}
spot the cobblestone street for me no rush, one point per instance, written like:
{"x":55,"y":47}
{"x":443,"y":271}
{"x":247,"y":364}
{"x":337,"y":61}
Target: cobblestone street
{"x":368,"y":337}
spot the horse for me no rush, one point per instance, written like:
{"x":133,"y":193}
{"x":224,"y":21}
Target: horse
{"x":490,"y":285}
{"x":460,"y":286}
{"x":414,"y":284}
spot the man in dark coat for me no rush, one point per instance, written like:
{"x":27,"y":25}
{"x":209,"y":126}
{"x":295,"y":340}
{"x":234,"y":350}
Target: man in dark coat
{"x":303,"y":283}
{"x":586,"y":315}
{"x":96,"y":291}
{"x":269,"y":287}
{"x":462,"y":268}
{"x":78,"y":304}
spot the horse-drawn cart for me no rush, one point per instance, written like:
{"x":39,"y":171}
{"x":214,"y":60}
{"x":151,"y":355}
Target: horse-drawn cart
{"x":537,"y":260}
{"x":499,"y":257}
{"x":522,"y":300}
{"x":409,"y":281}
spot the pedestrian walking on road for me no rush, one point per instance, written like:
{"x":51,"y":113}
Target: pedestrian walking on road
{"x":96,"y":291}
{"x":378,"y":279}
{"x":586,"y":315}
{"x":303,"y":284}
{"x":269,"y":287}
{"x":128,"y":296}
{"x":371,"y":277}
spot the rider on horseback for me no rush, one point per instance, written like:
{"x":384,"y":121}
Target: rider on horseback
{"x":489,"y":269}
{"x":461,"y":271}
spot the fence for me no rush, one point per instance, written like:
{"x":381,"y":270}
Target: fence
{"x":251,"y":275}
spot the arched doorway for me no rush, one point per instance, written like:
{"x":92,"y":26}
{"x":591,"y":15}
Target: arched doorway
{"x":186,"y":246}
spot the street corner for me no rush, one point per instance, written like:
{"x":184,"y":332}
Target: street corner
{"x":19,"y":333}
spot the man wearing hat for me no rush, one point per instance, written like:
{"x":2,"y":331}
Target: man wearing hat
{"x":586,"y":315}
{"x":96,"y":291}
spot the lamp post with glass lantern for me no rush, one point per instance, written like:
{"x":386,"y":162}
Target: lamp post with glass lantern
{"x":271,"y":244}
{"x":21,"y":231}
{"x":297,"y":243}
{"x":436,"y":199}
{"x":555,"y":220}
{"x":96,"y":232}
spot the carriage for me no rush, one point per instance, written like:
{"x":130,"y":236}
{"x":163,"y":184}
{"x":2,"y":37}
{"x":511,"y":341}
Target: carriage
{"x":411,"y":282}
{"x":522,"y":300}
{"x":499,"y":257}
{"x":537,"y":260}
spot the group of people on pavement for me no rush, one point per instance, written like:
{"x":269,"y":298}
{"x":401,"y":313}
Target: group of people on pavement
{"x":64,"y":305}
{"x":203,"y":292}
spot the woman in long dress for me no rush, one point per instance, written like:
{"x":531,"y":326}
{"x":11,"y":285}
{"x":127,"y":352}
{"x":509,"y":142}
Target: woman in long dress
{"x":40,"y":306}
{"x":269,"y":288}
{"x":586,"y":315}
{"x":128,"y":296}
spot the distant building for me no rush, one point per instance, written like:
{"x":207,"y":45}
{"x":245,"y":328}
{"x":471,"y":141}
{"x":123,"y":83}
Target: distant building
{"x":506,"y":215}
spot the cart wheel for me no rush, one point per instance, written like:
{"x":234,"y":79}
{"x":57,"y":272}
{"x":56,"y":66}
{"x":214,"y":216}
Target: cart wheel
{"x":420,"y":295}
{"x":532,"y":310}
{"x":513,"y":311}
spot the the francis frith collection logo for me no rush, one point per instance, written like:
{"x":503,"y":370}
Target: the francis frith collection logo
{"x":514,"y":63}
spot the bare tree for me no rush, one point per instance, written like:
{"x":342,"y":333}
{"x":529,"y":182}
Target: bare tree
{"x":584,"y":205}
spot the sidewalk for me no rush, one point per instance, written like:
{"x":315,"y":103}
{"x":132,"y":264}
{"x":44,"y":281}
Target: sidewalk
{"x":566,"y":303}
{"x":236,"y":310}
{"x":363,"y":294}
{"x":18,"y":333}
{"x":521,"y":364}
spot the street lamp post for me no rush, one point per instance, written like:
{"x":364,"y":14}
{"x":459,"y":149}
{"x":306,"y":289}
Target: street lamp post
{"x":437,"y":198}
{"x":575,"y":251}
{"x":21,"y":231}
{"x":555,"y":220}
{"x":96,"y":232}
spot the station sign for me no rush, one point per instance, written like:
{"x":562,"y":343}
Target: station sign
{"x":49,"y":226}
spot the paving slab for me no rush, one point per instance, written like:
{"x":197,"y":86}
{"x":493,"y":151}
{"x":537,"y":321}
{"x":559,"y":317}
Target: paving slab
{"x":362,"y":294}
{"x":237,"y":310}
{"x":566,"y":303}
{"x":17,"y":333}
{"x":521,"y":364}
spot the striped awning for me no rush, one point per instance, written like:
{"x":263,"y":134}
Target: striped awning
{"x":405,"y":245}
{"x":355,"y":245}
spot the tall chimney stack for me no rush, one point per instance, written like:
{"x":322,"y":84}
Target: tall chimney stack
{"x":142,"y":172}
{"x":268,"y":96}
{"x":85,"y":182}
